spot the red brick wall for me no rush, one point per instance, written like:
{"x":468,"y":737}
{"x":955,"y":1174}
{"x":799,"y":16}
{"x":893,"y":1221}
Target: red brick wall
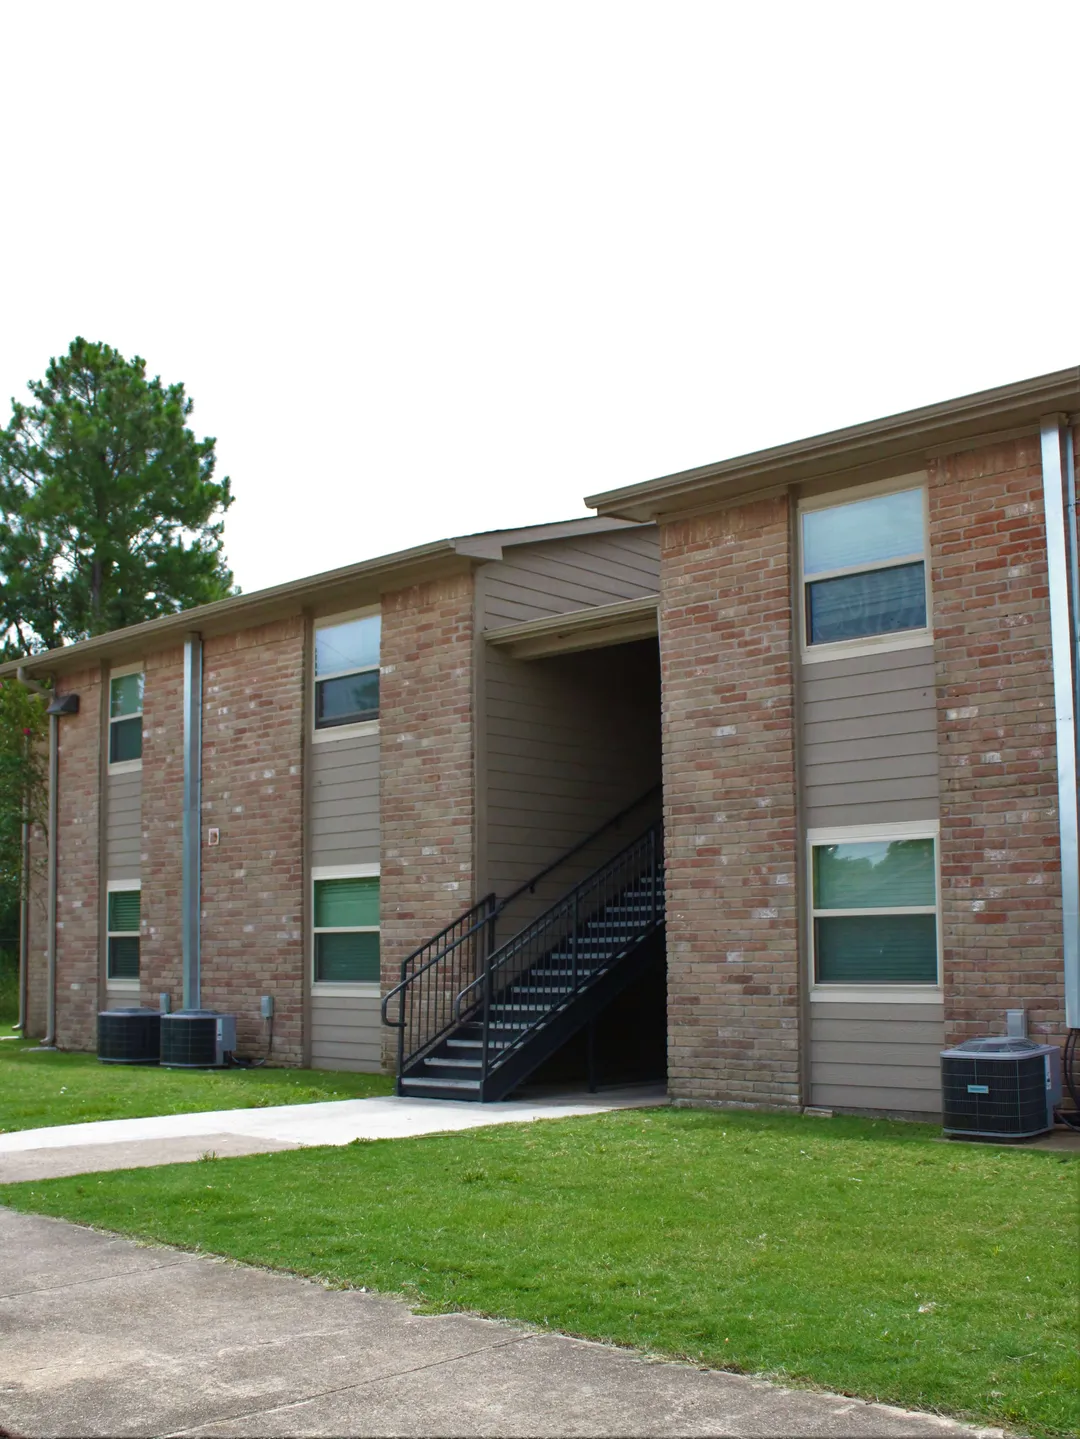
{"x":78,"y":963}
{"x":1001,"y":889}
{"x":161,"y":947}
{"x":426,"y":737}
{"x":38,"y":923}
{"x":252,"y":882}
{"x":729,"y":801}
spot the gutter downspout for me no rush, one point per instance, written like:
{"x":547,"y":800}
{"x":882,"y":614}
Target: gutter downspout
{"x":192,"y":831}
{"x":1059,"y":502}
{"x":49,"y":1042}
{"x":24,"y":929}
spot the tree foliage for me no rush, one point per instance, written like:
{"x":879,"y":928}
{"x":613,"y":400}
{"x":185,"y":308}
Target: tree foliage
{"x":109,"y":512}
{"x":23,"y":776}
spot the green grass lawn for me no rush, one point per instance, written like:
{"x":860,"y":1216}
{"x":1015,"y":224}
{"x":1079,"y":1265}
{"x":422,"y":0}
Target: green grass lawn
{"x":47,"y":1088}
{"x":858,"y":1255}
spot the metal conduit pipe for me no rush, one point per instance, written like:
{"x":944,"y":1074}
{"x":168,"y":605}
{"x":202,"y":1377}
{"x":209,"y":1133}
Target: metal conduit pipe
{"x":1060,"y":510}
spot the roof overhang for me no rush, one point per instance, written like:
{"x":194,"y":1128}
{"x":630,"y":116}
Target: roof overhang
{"x":898,"y":443}
{"x":347,"y":588}
{"x":588,"y":629}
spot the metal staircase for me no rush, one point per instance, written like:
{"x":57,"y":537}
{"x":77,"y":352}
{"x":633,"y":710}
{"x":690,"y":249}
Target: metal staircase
{"x":474,"y":1020}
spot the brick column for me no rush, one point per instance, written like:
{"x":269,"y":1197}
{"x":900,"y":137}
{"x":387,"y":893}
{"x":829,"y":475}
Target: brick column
{"x":253,"y":880}
{"x":1000,"y":857}
{"x":160,"y":858}
{"x":78,"y":958}
{"x":729,"y":807}
{"x":426,"y":786}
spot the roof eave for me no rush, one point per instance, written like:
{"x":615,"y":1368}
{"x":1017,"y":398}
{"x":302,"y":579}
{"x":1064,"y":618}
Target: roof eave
{"x":896,"y":438}
{"x":353,"y":585}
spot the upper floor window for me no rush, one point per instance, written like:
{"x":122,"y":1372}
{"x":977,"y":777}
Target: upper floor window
{"x":864,"y":567}
{"x":347,"y":671}
{"x":125,"y":717}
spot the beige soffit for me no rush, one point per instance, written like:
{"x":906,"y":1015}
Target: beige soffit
{"x":588,"y":629}
{"x":354,"y":585}
{"x":902,"y":441}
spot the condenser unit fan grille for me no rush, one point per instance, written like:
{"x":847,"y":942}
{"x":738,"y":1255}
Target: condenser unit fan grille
{"x":1001,"y":1096}
{"x":189,"y":1040}
{"x":129,"y":1036}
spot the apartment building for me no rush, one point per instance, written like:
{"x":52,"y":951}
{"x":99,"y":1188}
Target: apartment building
{"x":826,"y":690}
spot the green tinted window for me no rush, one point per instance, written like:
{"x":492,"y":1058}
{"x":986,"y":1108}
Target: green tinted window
{"x":123,"y":958}
{"x":125,"y":908}
{"x":345,"y":903}
{"x":126,"y":695}
{"x":890,"y":874}
{"x":876,"y":949}
{"x":347,"y":958}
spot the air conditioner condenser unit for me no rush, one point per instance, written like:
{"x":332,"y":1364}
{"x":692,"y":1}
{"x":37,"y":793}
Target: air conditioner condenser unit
{"x":197,"y":1039}
{"x":1000,"y":1088}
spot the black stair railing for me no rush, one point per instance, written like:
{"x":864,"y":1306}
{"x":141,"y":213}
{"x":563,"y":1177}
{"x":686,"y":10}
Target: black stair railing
{"x":540,"y":970}
{"x":435,"y":976}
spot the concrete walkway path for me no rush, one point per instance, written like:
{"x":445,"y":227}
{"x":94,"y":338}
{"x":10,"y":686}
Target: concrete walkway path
{"x":176,"y":1138}
{"x":102,"y":1336}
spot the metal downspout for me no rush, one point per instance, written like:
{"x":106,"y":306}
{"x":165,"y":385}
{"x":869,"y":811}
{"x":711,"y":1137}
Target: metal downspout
{"x":24,"y":929}
{"x":49,"y":1042}
{"x":1059,"y":552}
{"x":192,"y":831}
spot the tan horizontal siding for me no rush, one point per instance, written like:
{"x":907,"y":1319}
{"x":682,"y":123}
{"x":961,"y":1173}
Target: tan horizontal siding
{"x":123,"y":825}
{"x":346,"y":1033}
{"x":862,"y":1052}
{"x":559,"y":576}
{"x":909,"y":1101}
{"x":869,"y":737}
{"x":345,"y":801}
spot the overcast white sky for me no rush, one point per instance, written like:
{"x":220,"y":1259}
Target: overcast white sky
{"x":427,"y":268}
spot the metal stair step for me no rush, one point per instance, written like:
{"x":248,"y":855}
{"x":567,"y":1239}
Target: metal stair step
{"x":412,"y":1082}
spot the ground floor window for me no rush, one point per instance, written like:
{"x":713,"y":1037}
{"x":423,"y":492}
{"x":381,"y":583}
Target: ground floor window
{"x":346,"y":914}
{"x":875,"y":907}
{"x":125,"y":916}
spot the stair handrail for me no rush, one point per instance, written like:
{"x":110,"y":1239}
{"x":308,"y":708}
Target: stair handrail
{"x":649,"y":845}
{"x":420,"y":992}
{"x":501,"y":956}
{"x":529,"y":887}
{"x":483,"y":907}
{"x":494,"y":907}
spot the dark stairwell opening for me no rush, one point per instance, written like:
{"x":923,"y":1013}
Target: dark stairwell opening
{"x":570,"y":740}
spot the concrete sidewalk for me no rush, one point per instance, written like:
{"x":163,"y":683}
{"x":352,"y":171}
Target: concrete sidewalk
{"x":177,"y":1138}
{"x":101,"y":1336}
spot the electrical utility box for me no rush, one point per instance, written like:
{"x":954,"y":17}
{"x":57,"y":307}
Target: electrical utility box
{"x":1000,"y":1088}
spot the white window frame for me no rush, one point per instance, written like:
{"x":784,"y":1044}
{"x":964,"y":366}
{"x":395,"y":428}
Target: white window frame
{"x":123,"y":766}
{"x":342,"y":988}
{"x":328,"y":733}
{"x":867,"y":644}
{"x":119,"y":886}
{"x":868,"y":993}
